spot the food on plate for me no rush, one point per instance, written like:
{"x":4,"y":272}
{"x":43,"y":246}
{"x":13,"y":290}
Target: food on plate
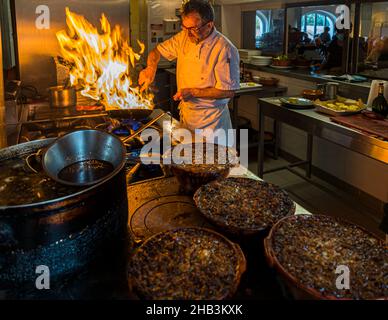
{"x":293,"y":100}
{"x":281,"y":60}
{"x":310,"y":249}
{"x":206,"y":162}
{"x":243,"y":206}
{"x":312,"y":94}
{"x":186,"y":264}
{"x":248,"y":84}
{"x":342,"y":104}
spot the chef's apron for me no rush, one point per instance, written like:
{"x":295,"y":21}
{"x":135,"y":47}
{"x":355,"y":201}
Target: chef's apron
{"x":199,"y":114}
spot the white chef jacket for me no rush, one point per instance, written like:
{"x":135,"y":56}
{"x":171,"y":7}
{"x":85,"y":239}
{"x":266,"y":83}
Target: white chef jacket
{"x":212,"y":63}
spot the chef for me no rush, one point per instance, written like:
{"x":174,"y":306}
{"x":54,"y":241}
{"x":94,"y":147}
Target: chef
{"x":207,"y":70}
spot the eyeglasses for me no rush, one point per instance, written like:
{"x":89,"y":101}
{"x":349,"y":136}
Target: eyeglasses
{"x":194,"y":29}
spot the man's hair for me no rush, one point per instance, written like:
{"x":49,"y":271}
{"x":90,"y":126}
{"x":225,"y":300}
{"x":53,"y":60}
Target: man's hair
{"x":202,"y":7}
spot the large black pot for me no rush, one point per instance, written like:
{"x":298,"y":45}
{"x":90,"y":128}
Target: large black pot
{"x":65,"y":234}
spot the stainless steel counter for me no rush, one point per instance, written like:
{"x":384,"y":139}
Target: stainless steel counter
{"x":319,"y":125}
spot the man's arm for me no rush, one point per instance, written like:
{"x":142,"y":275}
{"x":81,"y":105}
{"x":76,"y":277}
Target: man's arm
{"x":207,"y":93}
{"x":147,"y":76}
{"x":153,"y":59}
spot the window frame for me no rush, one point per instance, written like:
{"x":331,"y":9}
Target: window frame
{"x":328,"y":20}
{"x":349,"y":62}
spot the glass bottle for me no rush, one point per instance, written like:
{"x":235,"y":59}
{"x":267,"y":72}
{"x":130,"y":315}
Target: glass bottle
{"x":380,"y":104}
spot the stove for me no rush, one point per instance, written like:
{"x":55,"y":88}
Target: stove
{"x":39,"y":121}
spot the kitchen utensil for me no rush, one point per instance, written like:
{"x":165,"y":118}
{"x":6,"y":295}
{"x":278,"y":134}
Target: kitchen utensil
{"x":297,"y":103}
{"x":329,"y":89}
{"x":62,"y":97}
{"x":145,"y":127}
{"x":332,"y":90}
{"x":84,"y":158}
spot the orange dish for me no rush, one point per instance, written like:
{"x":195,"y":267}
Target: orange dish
{"x":312,"y":94}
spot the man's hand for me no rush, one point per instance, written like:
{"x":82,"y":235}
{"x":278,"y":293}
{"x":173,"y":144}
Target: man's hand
{"x":146,"y":77}
{"x":185,"y":94}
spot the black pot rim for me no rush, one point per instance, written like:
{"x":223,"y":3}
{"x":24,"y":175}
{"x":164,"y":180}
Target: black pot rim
{"x":46,"y":143}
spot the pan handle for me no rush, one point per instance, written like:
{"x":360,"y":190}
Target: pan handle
{"x":36,"y":156}
{"x":144,"y":127}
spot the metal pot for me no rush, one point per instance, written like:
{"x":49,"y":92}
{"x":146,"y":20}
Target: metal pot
{"x":64,"y":234}
{"x":62,"y":97}
{"x":84,"y":158}
{"x":329,"y":90}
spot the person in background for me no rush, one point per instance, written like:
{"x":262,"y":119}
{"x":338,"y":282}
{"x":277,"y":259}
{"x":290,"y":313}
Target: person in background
{"x":333,"y":61}
{"x":377,"y":49}
{"x":207,"y":69}
{"x":325,"y":36}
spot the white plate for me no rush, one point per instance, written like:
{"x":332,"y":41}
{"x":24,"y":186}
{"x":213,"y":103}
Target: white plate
{"x":335,"y":113}
{"x":300,"y":103}
{"x":261,"y":58}
{"x":247,"y":85}
{"x":281,"y":67}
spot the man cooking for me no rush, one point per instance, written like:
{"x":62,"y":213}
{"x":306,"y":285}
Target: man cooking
{"x":207,"y":69}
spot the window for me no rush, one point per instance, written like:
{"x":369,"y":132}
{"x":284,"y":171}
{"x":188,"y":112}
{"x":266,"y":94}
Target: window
{"x":311,"y":38}
{"x":261,"y":24}
{"x":269,"y":35}
{"x":373,"y":40}
{"x":314,"y":23}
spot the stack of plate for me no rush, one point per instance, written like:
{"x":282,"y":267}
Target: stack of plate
{"x":261,"y":61}
{"x":246,"y":55}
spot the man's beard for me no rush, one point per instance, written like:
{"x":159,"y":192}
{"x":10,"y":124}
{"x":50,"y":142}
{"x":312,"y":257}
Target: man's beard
{"x":194,"y":39}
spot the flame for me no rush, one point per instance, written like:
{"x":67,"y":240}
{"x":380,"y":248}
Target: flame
{"x":102,"y":63}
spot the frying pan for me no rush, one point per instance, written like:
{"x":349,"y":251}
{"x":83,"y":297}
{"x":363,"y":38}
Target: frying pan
{"x":135,"y":114}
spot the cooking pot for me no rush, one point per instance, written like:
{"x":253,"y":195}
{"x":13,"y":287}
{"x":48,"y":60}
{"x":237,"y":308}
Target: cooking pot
{"x":84,"y":158}
{"x":62,"y":97}
{"x":64,"y":233}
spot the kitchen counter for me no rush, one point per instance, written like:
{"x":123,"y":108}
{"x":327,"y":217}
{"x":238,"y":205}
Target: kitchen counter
{"x":305,"y":74}
{"x":298,"y":79}
{"x":319,"y":125}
